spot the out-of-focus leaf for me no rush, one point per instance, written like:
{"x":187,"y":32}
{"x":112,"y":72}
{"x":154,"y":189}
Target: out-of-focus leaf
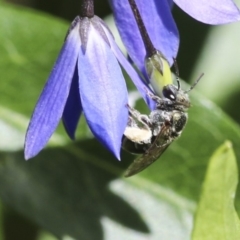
{"x":2,"y":237}
{"x":216,"y":217}
{"x":29,"y":46}
{"x":219,"y":60}
{"x":77,"y":191}
{"x":16,"y":226}
{"x":71,"y":191}
{"x":46,"y":236}
{"x":12,"y":130}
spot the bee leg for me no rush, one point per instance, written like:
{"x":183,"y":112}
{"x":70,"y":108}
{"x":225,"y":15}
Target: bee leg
{"x":161,"y":103}
{"x":131,"y":122}
{"x":141,"y":118}
{"x":153,"y":96}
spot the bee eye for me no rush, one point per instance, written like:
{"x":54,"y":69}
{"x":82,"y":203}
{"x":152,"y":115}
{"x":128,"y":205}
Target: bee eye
{"x":168,"y":93}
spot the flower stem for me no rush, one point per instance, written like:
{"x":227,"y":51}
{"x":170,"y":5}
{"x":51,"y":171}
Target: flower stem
{"x":87,"y":8}
{"x":150,"y":49}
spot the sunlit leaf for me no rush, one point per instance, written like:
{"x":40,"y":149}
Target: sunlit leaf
{"x":219,"y":60}
{"x":216,"y":217}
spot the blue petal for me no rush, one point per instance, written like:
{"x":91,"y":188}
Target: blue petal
{"x":139,"y":83}
{"x":211,"y":11}
{"x":103,"y":92}
{"x":73,"y":108}
{"x":50,"y":105}
{"x":170,"y":2}
{"x":159,"y":23}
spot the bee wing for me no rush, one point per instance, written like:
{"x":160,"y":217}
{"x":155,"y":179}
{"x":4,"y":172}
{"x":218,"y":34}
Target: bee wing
{"x":156,"y":149}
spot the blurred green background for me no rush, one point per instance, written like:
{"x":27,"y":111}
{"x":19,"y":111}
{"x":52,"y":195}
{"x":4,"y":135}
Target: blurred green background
{"x":75,"y":190}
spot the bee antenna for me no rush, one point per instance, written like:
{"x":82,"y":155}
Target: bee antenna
{"x":196,"y":82}
{"x":177,"y":73}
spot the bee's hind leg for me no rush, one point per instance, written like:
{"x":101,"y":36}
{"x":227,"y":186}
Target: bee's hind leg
{"x":136,"y":117}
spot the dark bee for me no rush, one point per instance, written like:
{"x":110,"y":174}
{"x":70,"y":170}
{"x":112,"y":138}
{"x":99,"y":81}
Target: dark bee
{"x":151,"y":135}
{"x":141,"y":130}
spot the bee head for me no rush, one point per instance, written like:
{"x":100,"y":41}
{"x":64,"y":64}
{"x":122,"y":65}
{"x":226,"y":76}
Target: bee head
{"x":176,"y":95}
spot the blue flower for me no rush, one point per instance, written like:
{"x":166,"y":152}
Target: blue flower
{"x":160,"y":25}
{"x":211,"y":12}
{"x":86,"y":78}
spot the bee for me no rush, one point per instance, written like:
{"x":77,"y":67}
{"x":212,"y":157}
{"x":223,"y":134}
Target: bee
{"x":150,"y":135}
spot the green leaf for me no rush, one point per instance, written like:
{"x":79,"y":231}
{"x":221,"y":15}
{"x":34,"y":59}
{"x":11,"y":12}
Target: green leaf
{"x":216,"y":217}
{"x":45,"y":236}
{"x":23,"y":228}
{"x":71,"y":191}
{"x":29,"y":46}
{"x":2,"y":235}
{"x":219,"y":60}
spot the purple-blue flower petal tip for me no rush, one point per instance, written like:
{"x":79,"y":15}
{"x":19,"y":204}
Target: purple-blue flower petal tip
{"x":102,"y":87}
{"x":86,"y":78}
{"x":51,"y":103}
{"x":211,"y":11}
